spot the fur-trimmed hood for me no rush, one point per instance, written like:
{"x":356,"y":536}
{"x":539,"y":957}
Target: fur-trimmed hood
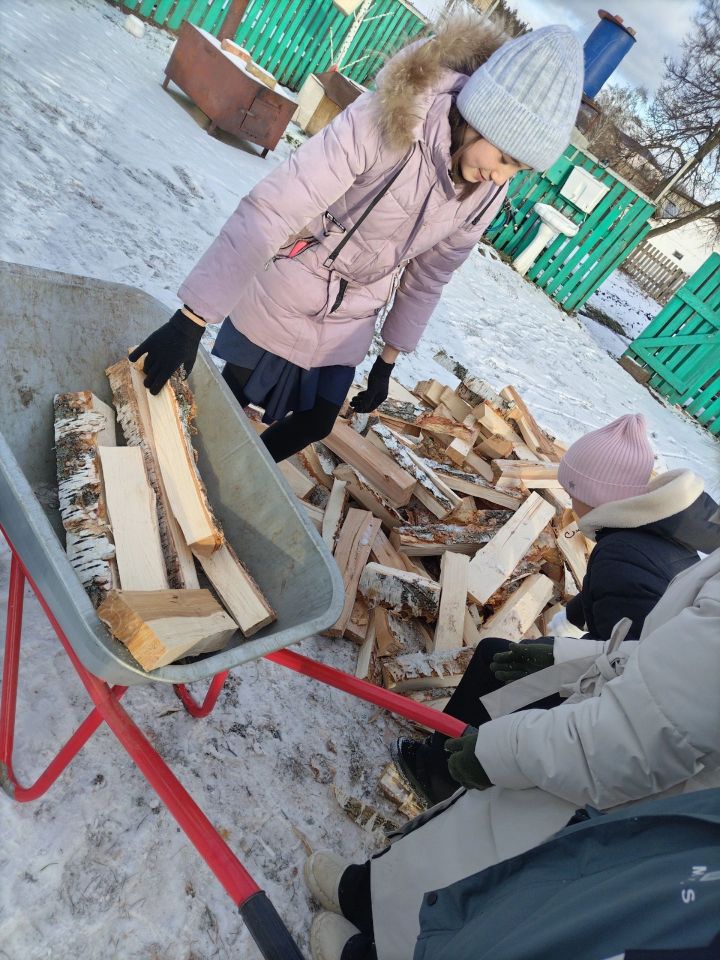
{"x":424,"y":68}
{"x":674,"y":507}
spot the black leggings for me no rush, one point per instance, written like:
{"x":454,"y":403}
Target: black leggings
{"x":478,"y":680}
{"x":356,"y":906}
{"x":295,"y":431}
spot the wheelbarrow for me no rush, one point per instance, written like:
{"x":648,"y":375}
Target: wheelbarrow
{"x":58,"y":333}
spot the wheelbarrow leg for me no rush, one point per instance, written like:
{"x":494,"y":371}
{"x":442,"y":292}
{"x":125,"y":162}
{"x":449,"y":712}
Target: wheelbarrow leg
{"x":262,"y":920}
{"x":205,"y":708}
{"x":418,"y":712}
{"x":8,"y":705}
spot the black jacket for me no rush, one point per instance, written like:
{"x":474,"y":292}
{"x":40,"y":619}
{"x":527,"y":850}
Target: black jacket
{"x":630,"y":569}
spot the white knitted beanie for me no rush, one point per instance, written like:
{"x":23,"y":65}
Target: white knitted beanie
{"x":525,"y":98}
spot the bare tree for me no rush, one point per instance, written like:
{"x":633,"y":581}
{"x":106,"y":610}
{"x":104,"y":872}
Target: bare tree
{"x":684,"y":120}
{"x":616,"y":135}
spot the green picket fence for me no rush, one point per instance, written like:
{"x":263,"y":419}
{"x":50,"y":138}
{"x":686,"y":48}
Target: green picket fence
{"x":570,"y":269}
{"x":294,"y":38}
{"x":682,"y":346}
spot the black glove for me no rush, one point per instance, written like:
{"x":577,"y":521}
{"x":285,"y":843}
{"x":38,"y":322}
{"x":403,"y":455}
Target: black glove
{"x":521,"y":661}
{"x":171,"y":346}
{"x":463,"y":765}
{"x":378,"y":388}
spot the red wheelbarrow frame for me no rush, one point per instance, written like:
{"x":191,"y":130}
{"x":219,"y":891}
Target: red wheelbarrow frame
{"x":257,"y":911}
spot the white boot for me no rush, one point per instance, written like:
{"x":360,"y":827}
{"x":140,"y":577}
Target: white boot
{"x":328,"y":935}
{"x":322,"y":873}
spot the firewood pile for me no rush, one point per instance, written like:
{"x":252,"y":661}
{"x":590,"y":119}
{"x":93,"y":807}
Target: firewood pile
{"x":140,"y":531}
{"x":444,"y":514}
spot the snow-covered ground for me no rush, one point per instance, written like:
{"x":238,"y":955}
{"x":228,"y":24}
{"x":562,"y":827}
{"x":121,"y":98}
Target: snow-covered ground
{"x":105,"y":174}
{"x":621,"y":301}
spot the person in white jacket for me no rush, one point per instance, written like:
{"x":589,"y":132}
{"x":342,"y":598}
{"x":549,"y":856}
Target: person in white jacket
{"x":642,"y":719}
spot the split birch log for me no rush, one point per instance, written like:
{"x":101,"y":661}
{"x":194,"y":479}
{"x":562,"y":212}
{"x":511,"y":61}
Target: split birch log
{"x":496,"y":561}
{"x":443,"y":427}
{"x":420,"y":671}
{"x":365,"y":816}
{"x":80,"y":420}
{"x":460,"y":409}
{"x":494,"y":424}
{"x":357,"y":626}
{"x":379,"y":469}
{"x":351,"y":553}
{"x":461,"y":449}
{"x":384,"y":552}
{"x":438,"y":501}
{"x":520,"y":611}
{"x":334,"y":513}
{"x":475,"y":391}
{"x":559,"y":499}
{"x":471,"y":635}
{"x":171,"y":413}
{"x":403,"y":593}
{"x":388,"y":634}
{"x":436,"y":539}
{"x":398,"y":793}
{"x":450,"y":364}
{"x":315,"y":514}
{"x":571,"y":544}
{"x":161,"y":626}
{"x":475,"y":486}
{"x":311,"y":463}
{"x":400,"y":415}
{"x":531,"y":431}
{"x":367,"y":496}
{"x":367,"y":667}
{"x":300,"y":485}
{"x":237,"y":589}
{"x":492,"y":446}
{"x":453,"y":597}
{"x":526,"y":470}
{"x":130,"y":396}
{"x":133,"y":517}
{"x":430,"y":391}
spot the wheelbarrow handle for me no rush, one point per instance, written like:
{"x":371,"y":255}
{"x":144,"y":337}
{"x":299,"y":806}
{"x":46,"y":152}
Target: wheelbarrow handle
{"x":267,"y":929}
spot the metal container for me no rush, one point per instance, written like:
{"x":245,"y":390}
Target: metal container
{"x":58,"y":333}
{"x":604,"y":49}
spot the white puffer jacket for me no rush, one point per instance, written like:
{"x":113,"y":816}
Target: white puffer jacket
{"x":653,"y":729}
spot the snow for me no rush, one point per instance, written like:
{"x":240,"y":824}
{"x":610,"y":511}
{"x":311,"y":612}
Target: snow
{"x":107,"y":175}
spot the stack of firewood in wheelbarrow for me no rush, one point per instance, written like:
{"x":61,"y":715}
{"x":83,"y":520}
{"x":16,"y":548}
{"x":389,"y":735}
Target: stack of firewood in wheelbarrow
{"x":445,"y":517}
{"x":140,"y":531}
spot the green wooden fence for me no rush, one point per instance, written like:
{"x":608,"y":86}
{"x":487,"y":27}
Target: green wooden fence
{"x":570,"y":269}
{"x":682,"y":346}
{"x":294,"y":38}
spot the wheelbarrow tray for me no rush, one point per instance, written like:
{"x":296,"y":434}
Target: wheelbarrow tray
{"x":58,"y":333}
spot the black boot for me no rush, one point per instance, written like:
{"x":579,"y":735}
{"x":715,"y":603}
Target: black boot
{"x":423,"y":765}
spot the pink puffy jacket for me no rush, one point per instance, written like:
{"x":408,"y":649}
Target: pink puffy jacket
{"x":418,"y":228}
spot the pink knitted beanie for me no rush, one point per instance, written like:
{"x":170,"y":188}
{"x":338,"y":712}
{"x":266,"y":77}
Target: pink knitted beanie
{"x":612,"y":463}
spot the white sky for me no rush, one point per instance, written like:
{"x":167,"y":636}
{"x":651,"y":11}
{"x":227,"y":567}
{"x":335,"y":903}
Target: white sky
{"x":659,"y":25}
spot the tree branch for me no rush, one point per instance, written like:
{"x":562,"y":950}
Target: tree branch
{"x":682,"y":221}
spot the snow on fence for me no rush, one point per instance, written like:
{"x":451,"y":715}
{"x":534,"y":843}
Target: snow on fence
{"x":653,"y":272}
{"x":294,"y":38}
{"x":571,"y":269}
{"x":681,"y":346}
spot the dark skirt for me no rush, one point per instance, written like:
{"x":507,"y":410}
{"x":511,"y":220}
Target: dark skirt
{"x":276,"y":384}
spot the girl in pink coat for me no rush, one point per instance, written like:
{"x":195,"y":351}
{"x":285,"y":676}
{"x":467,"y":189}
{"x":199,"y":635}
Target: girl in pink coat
{"x":380,"y":207}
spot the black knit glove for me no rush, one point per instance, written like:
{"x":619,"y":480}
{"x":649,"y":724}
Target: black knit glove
{"x":521,"y":661}
{"x":171,"y":346}
{"x":463,"y":765}
{"x":378,"y":388}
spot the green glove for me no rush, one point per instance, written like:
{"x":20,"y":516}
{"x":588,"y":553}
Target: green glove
{"x":521,"y":661}
{"x":463,"y":765}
